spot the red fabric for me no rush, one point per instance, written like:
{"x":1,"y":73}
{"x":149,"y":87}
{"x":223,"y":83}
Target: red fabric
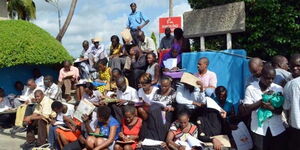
{"x":135,"y":130}
{"x":161,"y":55}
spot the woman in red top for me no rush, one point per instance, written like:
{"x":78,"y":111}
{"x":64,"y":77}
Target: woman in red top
{"x":131,"y":126}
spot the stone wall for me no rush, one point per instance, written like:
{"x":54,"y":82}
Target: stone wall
{"x":3,"y":10}
{"x":229,"y":18}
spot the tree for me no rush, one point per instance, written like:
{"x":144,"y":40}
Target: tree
{"x":23,"y":9}
{"x":153,"y":37}
{"x":63,"y":30}
{"x":272,"y":27}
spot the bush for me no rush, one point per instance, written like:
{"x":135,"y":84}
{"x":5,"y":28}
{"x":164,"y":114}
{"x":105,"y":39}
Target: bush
{"x":22,"y":42}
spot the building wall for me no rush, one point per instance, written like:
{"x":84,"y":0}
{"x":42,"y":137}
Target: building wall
{"x":3,"y":10}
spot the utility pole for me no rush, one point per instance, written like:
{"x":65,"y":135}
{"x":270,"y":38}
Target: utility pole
{"x":171,"y":8}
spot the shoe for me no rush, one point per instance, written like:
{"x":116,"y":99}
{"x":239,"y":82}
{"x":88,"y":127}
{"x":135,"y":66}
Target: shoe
{"x":20,"y":130}
{"x":28,"y":146}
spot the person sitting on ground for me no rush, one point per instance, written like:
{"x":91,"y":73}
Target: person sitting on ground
{"x":255,"y":67}
{"x":136,"y":21}
{"x":174,"y":53}
{"x":116,"y":50}
{"x":166,"y":41}
{"x":131,"y":126}
{"x":20,"y":87}
{"x":291,"y":104}
{"x":96,"y":52}
{"x":5,"y":119}
{"x":160,"y":113}
{"x":146,"y":94}
{"x":223,"y":101}
{"x":208,"y":79}
{"x":38,"y":120}
{"x":191,"y":99}
{"x":68,"y":128}
{"x":153,"y":68}
{"x":91,"y":94}
{"x":64,"y":113}
{"x":280,"y":63}
{"x":52,"y":90}
{"x":38,"y":78}
{"x":68,"y":76}
{"x":180,"y":130}
{"x":138,"y":65}
{"x":111,"y":85}
{"x":108,"y":127}
{"x":183,"y":42}
{"x":146,"y":44}
{"x":271,"y":133}
{"x":104,"y":74}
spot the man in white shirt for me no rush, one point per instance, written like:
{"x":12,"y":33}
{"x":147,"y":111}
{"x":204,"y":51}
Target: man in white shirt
{"x":96,"y":52}
{"x":146,"y":44}
{"x":271,"y":134}
{"x":20,"y":87}
{"x":292,"y":102}
{"x":38,"y":78}
{"x":52,"y":90}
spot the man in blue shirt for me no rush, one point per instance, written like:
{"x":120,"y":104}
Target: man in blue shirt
{"x":136,"y":21}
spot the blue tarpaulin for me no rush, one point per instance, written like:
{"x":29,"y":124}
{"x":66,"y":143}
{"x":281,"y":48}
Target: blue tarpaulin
{"x":232,"y":71}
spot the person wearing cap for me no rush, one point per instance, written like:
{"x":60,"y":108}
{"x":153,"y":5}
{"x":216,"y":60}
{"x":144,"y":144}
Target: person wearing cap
{"x":136,"y":21}
{"x":96,"y":51}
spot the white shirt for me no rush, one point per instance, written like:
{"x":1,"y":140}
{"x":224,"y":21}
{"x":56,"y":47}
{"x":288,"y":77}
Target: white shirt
{"x":275,"y":123}
{"x":5,"y":104}
{"x":24,"y":90}
{"x":291,"y":93}
{"x":98,"y":53}
{"x":29,"y":94}
{"x":54,"y":92}
{"x":184,"y":96}
{"x":40,"y":82}
{"x":147,"y":97}
{"x":94,"y":98}
{"x":148,"y":44}
{"x":129,"y":94}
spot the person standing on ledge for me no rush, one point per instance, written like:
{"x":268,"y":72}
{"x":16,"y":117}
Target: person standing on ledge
{"x":136,"y":21}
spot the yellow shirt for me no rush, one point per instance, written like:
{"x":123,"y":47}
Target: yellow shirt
{"x":105,"y":76}
{"x":117,"y":50}
{"x":44,"y":108}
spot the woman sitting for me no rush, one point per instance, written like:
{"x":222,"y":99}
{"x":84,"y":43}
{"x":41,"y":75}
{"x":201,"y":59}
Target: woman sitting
{"x":180,"y":130}
{"x":160,"y":112}
{"x":146,"y":94}
{"x":90,"y":94}
{"x":153,"y":68}
{"x":181,"y":40}
{"x":175,"y":54}
{"x":104,"y":74}
{"x":131,"y":126}
{"x":115,"y":52}
{"x":108,"y":129}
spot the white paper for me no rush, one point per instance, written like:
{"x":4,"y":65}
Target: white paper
{"x":160,"y":103}
{"x":242,"y":137}
{"x":170,"y":63}
{"x":59,"y":123}
{"x":185,"y":144}
{"x":210,"y":103}
{"x":149,"y":142}
{"x":194,"y":141}
{"x":84,"y":107}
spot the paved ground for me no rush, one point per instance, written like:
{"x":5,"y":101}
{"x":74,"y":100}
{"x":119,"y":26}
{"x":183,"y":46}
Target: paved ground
{"x":9,"y":143}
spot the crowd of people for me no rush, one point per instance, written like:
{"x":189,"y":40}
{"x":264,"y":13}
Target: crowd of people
{"x":139,"y":98}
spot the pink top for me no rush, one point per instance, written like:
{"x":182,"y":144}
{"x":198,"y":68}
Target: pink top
{"x":73,"y":71}
{"x":209,"y":79}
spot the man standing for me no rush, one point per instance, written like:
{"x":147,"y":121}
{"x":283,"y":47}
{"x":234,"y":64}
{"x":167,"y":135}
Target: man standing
{"x":208,"y":79}
{"x":38,"y":120}
{"x":280,"y":63}
{"x":269,"y":135}
{"x":166,"y":41}
{"x":52,"y":90}
{"x":136,"y":21}
{"x":292,"y":102}
{"x":146,"y":43}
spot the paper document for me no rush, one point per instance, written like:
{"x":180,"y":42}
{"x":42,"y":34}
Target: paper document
{"x":242,"y":137}
{"x":210,"y":103}
{"x":150,"y":142}
{"x":189,"y":79}
{"x":170,"y":63}
{"x":84,"y":107}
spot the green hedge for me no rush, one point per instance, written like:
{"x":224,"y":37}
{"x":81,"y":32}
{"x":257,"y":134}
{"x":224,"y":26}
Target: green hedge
{"x":22,"y":42}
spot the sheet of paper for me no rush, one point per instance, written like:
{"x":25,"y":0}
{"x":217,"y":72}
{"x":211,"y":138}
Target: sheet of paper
{"x":210,"y":103}
{"x":84,"y":107}
{"x":189,"y":79}
{"x":150,"y":142}
{"x":194,"y":141}
{"x":170,"y":63}
{"x":242,"y":137}
{"x":185,"y":144}
{"x":160,"y":103}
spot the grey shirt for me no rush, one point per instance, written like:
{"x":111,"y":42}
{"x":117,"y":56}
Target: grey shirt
{"x":166,"y":42}
{"x":281,"y":75}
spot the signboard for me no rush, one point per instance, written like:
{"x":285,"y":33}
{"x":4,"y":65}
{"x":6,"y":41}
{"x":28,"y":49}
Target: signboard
{"x":171,"y":22}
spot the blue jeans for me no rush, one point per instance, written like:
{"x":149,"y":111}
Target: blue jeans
{"x":52,"y":137}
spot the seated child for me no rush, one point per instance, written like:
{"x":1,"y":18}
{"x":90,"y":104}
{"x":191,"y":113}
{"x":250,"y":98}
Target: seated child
{"x":131,"y":126}
{"x":107,"y":128}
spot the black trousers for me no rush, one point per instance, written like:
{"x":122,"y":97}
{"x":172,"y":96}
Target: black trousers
{"x":293,"y":138}
{"x":5,"y":120}
{"x":134,"y":35}
{"x":270,"y":142}
{"x":77,"y":145}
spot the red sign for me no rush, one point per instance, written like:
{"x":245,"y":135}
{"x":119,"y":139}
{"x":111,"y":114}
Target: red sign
{"x":171,"y":22}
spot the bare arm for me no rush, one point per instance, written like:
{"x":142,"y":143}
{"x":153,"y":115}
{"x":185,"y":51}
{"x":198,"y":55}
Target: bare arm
{"x":111,"y":138}
{"x":170,"y":141}
{"x":156,"y":75}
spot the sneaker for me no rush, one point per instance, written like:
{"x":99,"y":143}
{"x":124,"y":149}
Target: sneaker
{"x":20,"y":130}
